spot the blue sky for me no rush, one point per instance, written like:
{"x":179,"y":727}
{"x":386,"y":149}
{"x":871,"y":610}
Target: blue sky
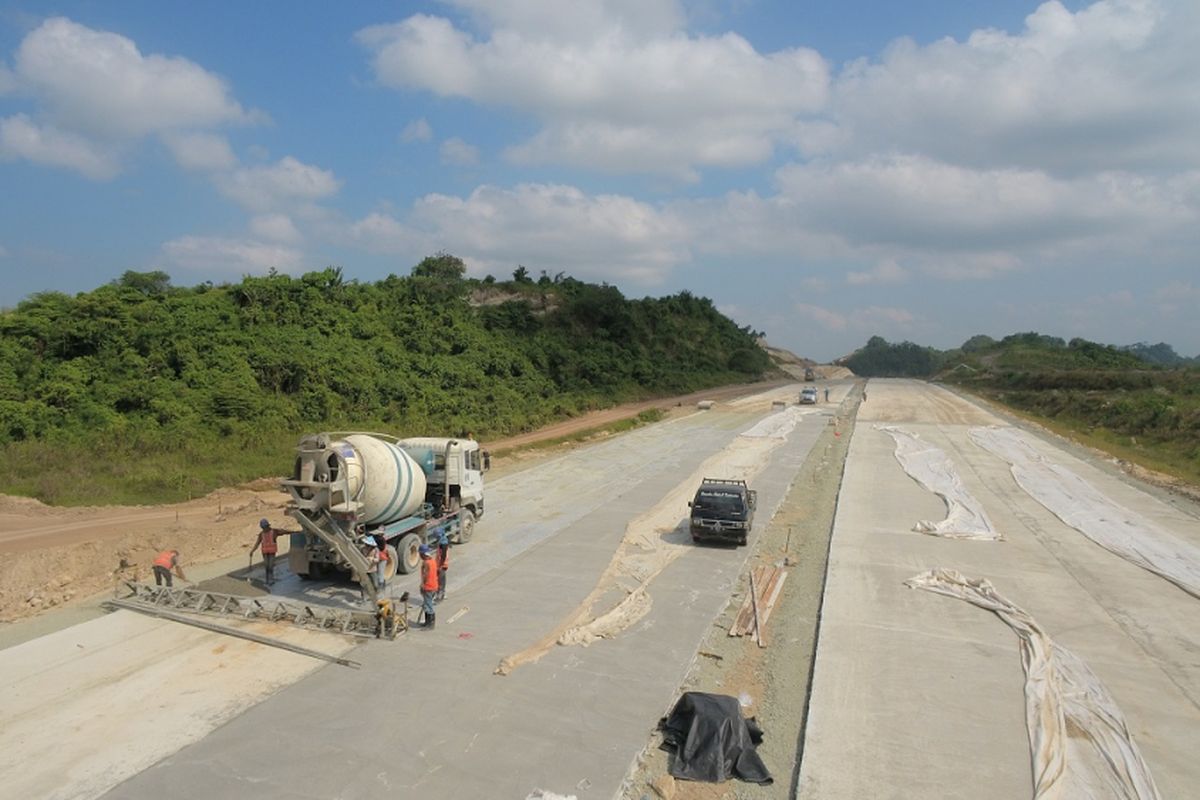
{"x":824,"y":171}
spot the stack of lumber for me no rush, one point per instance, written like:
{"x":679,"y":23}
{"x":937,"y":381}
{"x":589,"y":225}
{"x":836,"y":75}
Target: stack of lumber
{"x":766,"y":583}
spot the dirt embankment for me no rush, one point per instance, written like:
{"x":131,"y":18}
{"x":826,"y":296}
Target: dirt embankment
{"x":51,"y":556}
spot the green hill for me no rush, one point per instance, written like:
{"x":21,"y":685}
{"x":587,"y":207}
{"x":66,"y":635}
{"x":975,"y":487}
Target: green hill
{"x":139,"y":391}
{"x":1121,"y":399}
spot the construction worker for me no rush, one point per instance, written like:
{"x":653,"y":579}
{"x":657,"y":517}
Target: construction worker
{"x":429,"y":585}
{"x":381,"y":562}
{"x":266,"y":539}
{"x":826,"y":394}
{"x":163,"y":564}
{"x":443,"y":563}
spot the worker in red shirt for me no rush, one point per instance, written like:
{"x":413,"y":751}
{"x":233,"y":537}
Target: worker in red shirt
{"x":166,"y":561}
{"x":266,"y":539}
{"x":429,"y":585}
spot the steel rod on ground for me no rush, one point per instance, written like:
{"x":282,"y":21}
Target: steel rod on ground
{"x":253,"y":637}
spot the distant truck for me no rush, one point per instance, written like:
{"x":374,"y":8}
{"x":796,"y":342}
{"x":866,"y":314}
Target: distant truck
{"x":409,"y":492}
{"x":809,"y":375}
{"x":722,"y":510}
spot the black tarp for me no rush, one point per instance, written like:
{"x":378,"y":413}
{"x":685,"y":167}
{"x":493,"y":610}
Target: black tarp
{"x":711,"y":742}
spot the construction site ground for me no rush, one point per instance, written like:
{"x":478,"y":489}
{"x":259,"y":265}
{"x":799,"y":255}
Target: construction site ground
{"x":574,"y":619}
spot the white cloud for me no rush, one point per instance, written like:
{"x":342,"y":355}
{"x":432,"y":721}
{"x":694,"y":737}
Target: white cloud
{"x":1115,"y":85}
{"x":210,"y":254}
{"x":886,"y":271}
{"x":281,"y":185}
{"x":99,"y":82}
{"x":870,"y":319}
{"x":577,"y":20}
{"x":627,"y":80}
{"x":95,"y":94}
{"x":417,"y":131}
{"x":275,"y":228}
{"x":21,"y":137}
{"x":201,"y":151}
{"x":458,"y":153}
{"x":553,"y":227}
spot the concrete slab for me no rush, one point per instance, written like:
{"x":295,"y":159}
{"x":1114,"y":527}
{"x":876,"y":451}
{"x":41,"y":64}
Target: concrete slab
{"x":920,"y":695}
{"x":427,"y":715}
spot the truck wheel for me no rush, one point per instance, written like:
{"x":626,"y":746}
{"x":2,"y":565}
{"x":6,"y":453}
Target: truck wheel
{"x":407,"y":556}
{"x":315,"y":571}
{"x":466,"y":526}
{"x":742,"y":539}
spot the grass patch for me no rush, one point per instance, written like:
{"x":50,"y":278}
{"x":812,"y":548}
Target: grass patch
{"x":1177,"y":458}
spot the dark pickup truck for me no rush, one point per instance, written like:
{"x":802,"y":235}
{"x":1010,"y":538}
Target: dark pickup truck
{"x":722,"y":510}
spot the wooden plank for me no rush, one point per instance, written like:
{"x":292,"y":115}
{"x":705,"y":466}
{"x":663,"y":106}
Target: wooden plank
{"x":775,"y":589}
{"x":757,"y":626}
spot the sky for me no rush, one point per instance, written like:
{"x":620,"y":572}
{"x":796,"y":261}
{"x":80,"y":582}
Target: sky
{"x":824,"y":171}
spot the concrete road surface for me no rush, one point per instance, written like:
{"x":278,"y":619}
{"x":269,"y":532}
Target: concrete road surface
{"x":426,"y":717}
{"x":920,"y":695}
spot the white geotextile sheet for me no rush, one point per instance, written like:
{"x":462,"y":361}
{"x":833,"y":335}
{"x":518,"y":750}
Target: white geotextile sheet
{"x":1080,"y":505}
{"x":1079,"y":742}
{"x":933,"y":469}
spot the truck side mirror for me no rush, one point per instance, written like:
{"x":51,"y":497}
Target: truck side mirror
{"x":753,"y":499}
{"x":689,"y":503}
{"x":487,"y":460}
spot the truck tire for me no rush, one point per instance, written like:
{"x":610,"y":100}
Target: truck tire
{"x":393,"y":564}
{"x":407,"y":556}
{"x":466,"y":526}
{"x":316,"y":571}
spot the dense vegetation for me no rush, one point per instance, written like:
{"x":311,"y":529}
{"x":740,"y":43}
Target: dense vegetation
{"x":1121,"y":398}
{"x":142,"y":391}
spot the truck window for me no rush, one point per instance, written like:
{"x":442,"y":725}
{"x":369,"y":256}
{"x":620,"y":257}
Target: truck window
{"x":473,"y":459}
{"x":718,"y":501}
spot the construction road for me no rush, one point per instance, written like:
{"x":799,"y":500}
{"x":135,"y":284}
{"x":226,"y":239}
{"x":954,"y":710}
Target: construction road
{"x":914,"y":694}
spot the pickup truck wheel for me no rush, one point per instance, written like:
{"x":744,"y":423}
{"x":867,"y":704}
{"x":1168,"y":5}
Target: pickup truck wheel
{"x":742,"y":539}
{"x":466,"y":526}
{"x":408,"y":555}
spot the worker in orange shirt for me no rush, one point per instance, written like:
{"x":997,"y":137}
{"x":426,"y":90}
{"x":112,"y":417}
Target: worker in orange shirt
{"x":429,"y":585}
{"x":166,"y":561}
{"x":266,"y":539}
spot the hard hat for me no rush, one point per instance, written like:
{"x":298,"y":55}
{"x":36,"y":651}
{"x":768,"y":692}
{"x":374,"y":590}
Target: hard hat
{"x":443,"y":539}
{"x":262,"y":523}
{"x":424,"y":550}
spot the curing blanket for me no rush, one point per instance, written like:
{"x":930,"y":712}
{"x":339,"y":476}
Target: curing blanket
{"x":711,"y":741}
{"x":1079,"y":504}
{"x":933,"y":469}
{"x":1081,"y":746}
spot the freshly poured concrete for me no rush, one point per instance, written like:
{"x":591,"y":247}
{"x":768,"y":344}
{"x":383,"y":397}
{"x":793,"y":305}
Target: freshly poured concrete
{"x":917,"y":695}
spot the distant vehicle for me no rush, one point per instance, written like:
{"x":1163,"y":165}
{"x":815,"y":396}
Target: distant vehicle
{"x":809,"y":375}
{"x":808,"y":396}
{"x":723,"y":510}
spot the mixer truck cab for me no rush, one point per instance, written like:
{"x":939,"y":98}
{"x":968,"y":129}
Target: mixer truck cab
{"x":408,"y":491}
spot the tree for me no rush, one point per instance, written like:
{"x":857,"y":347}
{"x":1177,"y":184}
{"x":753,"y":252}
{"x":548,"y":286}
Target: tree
{"x":521,"y":275}
{"x":150,"y":284}
{"x":440,"y":265}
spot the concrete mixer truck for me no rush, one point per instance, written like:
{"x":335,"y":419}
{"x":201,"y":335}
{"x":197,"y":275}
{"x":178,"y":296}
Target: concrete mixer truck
{"x":347,"y":486}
